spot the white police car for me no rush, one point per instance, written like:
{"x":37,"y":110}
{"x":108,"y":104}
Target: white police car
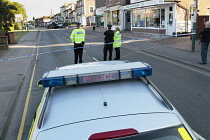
{"x":105,"y":100}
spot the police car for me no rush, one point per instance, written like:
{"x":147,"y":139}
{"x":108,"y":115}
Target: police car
{"x":105,"y":100}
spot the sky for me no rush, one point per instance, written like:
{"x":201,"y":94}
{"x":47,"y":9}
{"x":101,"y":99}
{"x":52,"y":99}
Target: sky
{"x":39,"y":8}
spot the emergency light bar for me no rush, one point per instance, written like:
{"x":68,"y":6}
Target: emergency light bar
{"x":94,"y":74}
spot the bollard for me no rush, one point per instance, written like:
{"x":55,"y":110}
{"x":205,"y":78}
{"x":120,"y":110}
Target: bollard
{"x":94,"y":28}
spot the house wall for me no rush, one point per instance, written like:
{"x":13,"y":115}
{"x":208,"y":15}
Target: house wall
{"x":88,"y":4}
{"x":100,"y":3}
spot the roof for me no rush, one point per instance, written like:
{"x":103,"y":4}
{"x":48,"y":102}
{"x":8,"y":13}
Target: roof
{"x":73,"y":104}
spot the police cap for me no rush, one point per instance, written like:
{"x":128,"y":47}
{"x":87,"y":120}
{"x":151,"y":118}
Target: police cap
{"x":78,"y":24}
{"x":109,"y":25}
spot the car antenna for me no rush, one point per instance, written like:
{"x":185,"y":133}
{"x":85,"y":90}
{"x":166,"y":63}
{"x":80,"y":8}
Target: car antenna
{"x":105,"y":103}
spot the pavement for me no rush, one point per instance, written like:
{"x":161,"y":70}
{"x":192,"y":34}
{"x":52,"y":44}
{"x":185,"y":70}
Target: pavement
{"x":12,"y":72}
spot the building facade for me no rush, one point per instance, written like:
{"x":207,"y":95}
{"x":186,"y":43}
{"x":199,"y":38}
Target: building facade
{"x":113,"y":13}
{"x":85,"y":12}
{"x":168,"y":17}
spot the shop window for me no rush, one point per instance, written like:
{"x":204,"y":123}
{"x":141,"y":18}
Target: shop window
{"x":117,"y":1}
{"x":110,"y":2}
{"x":138,"y":18}
{"x":154,"y":18}
{"x":115,"y":17}
{"x":109,"y":18}
{"x":162,"y":18}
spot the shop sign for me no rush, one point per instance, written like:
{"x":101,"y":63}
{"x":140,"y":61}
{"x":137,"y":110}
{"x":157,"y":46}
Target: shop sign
{"x":99,"y":11}
{"x":170,"y":1}
{"x":143,"y":4}
{"x":115,"y":8}
{"x":135,"y":1}
{"x":107,"y":9}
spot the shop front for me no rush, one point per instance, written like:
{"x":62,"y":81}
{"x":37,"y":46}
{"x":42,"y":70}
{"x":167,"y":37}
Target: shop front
{"x":153,"y":16}
{"x":113,"y":16}
{"x":99,"y":17}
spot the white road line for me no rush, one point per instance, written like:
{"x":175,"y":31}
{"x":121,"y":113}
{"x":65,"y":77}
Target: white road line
{"x":95,"y":59}
{"x":199,"y":136}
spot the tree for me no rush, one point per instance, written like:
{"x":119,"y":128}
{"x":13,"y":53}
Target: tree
{"x":20,"y":9}
{"x":7,"y":13}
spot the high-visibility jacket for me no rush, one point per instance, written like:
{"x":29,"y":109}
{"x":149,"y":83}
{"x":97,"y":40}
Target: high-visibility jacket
{"x":77,"y":36}
{"x":117,"y":40}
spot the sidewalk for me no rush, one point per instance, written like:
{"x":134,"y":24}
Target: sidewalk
{"x":12,"y":74}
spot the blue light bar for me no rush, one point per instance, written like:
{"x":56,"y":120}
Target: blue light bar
{"x":141,"y":72}
{"x":53,"y":82}
{"x":57,"y":78}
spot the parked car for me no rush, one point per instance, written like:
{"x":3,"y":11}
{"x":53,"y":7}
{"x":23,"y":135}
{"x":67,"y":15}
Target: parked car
{"x":58,"y":25}
{"x":106,"y":100}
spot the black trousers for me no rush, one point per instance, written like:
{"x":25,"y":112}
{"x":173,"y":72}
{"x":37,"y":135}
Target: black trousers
{"x":108,"y":48}
{"x":78,"y":52}
{"x":117,"y":50}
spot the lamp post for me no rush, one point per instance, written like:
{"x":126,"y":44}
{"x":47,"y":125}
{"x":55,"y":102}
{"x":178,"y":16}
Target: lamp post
{"x":195,"y":9}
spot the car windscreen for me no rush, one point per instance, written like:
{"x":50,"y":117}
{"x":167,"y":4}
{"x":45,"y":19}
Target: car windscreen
{"x":171,"y":133}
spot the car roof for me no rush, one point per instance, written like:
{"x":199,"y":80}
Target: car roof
{"x":73,"y":104}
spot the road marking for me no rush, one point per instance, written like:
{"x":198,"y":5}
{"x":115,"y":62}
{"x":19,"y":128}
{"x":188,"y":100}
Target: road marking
{"x":20,"y":133}
{"x":95,"y":59}
{"x":199,"y":136}
{"x":169,"y":61}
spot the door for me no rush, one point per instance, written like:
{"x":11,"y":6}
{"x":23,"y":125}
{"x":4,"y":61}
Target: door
{"x":128,"y":21}
{"x":170,"y":22}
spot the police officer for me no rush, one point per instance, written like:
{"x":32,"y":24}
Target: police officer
{"x":78,"y":37}
{"x":109,"y":34}
{"x":117,"y":43}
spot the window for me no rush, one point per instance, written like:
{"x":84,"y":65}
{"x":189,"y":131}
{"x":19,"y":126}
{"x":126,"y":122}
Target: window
{"x":115,"y":17}
{"x":117,"y":1}
{"x":91,"y":9}
{"x":149,"y":18}
{"x":139,"y":18}
{"x":110,"y":2}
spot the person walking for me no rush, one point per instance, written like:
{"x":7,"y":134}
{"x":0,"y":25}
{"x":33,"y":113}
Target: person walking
{"x":109,"y":34}
{"x":78,"y":38}
{"x":117,"y":43}
{"x":205,"y":39}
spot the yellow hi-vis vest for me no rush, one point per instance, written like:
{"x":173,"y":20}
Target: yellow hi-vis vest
{"x":77,"y":36}
{"x":117,"y":40}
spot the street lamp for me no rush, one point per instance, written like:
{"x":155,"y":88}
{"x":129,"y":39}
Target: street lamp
{"x":195,"y":10}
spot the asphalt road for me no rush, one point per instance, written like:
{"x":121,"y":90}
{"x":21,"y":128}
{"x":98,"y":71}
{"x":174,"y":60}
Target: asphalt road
{"x":185,"y":86}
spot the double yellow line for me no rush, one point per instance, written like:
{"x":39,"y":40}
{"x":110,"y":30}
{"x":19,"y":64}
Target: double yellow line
{"x":20,"y":133}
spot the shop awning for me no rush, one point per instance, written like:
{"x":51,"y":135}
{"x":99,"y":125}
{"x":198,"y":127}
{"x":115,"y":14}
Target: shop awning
{"x":99,"y":15}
